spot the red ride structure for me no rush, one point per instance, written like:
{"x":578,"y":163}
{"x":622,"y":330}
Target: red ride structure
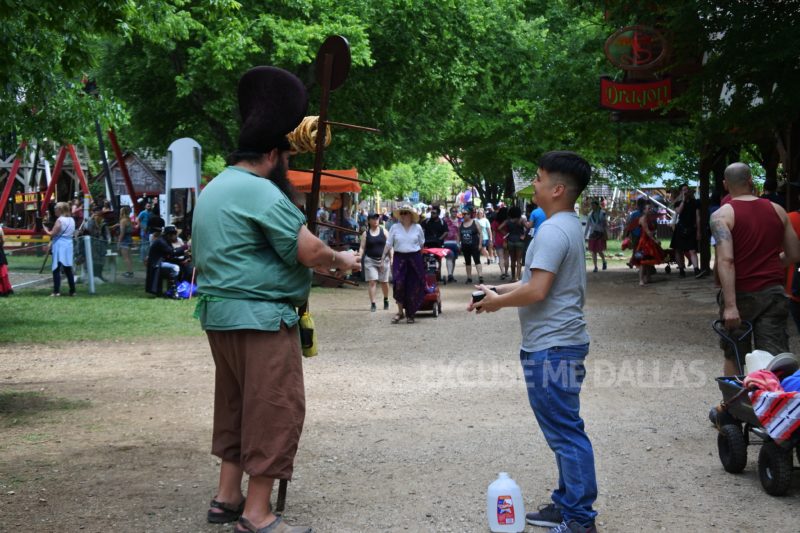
{"x":57,"y":173}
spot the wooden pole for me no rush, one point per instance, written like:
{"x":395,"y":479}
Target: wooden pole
{"x":313,"y":201}
{"x":705,"y":240}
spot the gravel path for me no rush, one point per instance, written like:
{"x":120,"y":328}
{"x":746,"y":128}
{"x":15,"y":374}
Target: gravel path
{"x":406,"y":424}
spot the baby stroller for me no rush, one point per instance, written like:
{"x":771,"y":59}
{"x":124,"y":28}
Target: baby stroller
{"x":432,"y":258}
{"x":737,"y":423}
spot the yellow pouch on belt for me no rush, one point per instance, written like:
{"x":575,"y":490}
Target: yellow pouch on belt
{"x":308,"y":337}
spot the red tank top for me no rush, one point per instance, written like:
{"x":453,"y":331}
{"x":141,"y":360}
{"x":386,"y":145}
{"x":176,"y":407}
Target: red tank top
{"x":757,"y":243}
{"x":792,"y":288}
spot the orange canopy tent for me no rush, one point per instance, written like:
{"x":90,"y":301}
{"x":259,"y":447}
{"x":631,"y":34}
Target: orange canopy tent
{"x":302,"y":181}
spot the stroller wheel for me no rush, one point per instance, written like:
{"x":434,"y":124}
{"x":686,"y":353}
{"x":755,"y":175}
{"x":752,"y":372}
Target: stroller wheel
{"x":435,"y":310}
{"x":775,"y":469}
{"x":732,"y":448}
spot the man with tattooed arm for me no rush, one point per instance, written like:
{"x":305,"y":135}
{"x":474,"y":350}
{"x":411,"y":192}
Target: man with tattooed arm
{"x":754,"y":243}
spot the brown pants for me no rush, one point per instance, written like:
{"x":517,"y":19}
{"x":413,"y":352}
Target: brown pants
{"x":259,"y":399}
{"x":767,"y":310}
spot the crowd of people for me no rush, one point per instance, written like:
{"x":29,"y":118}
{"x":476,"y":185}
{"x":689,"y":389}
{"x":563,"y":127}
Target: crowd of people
{"x":254,"y":256}
{"x":66,"y":222}
{"x":482,"y":236}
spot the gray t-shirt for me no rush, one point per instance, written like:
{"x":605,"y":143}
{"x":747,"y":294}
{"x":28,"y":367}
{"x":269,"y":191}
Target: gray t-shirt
{"x":558,"y":319}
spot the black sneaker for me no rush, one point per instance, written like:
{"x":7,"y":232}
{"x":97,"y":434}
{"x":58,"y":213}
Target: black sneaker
{"x":547,"y":516}
{"x":682,"y":273}
{"x":605,"y":265}
{"x":480,"y":280}
{"x":573,"y":527}
{"x":372,"y":307}
{"x":451,"y":279}
{"x":385,"y":304}
{"x":700,"y":274}
{"x":469,"y":280}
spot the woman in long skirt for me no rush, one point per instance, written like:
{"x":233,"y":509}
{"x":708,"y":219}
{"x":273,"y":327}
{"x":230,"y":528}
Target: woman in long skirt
{"x":408,"y":270}
{"x":648,"y":252}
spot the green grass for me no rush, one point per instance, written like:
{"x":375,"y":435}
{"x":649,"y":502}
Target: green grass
{"x":27,"y":263}
{"x":16,"y":407}
{"x":117,"y":311}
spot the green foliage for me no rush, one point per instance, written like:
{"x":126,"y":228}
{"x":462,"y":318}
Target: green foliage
{"x":47,"y":46}
{"x":179,"y":77}
{"x":433,"y":180}
{"x":488,"y":85}
{"x":741,"y":64}
{"x":213,"y":165}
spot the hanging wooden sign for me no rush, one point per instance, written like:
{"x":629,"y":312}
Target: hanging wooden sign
{"x":636,"y":48}
{"x":627,"y":96}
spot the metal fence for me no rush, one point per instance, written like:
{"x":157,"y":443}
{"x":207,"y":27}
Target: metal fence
{"x":30,"y":263}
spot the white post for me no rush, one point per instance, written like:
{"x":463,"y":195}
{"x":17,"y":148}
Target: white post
{"x":168,"y":186}
{"x":85,"y":209}
{"x":87,"y":251}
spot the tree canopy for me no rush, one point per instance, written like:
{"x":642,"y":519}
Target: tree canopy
{"x":488,"y":86}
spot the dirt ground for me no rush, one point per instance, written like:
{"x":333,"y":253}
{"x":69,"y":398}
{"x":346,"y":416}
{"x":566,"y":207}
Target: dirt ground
{"x":406,"y":424}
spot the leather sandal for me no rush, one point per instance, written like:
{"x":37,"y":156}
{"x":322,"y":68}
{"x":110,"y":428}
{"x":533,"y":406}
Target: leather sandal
{"x":397,"y":318}
{"x":278,"y":526}
{"x":227,"y":512}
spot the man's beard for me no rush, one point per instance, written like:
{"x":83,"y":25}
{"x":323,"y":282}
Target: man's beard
{"x":278,"y":176}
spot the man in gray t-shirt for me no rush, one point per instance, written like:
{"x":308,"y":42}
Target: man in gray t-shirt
{"x":549,"y":298}
{"x":558,"y":319}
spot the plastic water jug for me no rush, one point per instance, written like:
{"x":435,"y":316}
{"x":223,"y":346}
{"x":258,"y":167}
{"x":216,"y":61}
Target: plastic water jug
{"x":757,"y":360}
{"x":504,"y":506}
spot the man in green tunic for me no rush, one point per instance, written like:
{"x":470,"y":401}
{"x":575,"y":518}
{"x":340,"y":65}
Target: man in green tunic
{"x":253,"y":253}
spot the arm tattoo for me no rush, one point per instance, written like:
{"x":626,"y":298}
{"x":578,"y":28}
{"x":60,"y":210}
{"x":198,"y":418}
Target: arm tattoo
{"x":720,"y":230}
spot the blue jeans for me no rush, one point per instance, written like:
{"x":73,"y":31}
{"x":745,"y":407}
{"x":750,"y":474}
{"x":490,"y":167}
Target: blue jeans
{"x":554,"y":377}
{"x":144,"y":247}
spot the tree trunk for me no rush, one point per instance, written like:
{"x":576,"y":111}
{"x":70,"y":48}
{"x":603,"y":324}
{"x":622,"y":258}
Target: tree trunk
{"x":704,"y":176}
{"x":509,"y":184}
{"x":713,"y":161}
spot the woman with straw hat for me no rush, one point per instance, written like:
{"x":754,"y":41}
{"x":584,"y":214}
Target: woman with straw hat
{"x":408,"y":271}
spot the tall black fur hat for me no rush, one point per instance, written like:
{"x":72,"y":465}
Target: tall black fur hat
{"x":272,"y":102}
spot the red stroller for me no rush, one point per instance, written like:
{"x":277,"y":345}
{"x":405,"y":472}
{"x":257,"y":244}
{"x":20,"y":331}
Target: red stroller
{"x":433,"y":271}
